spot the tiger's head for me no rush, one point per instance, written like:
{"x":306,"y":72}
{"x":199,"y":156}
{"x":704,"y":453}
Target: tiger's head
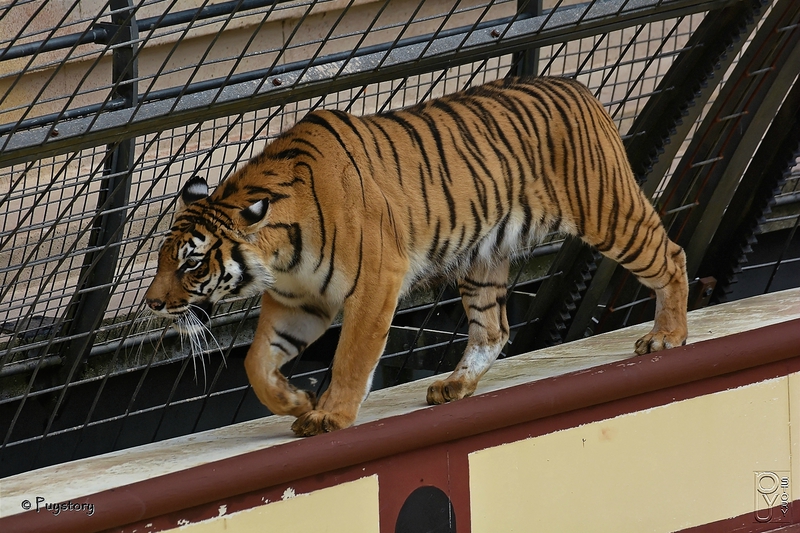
{"x":215,"y":247}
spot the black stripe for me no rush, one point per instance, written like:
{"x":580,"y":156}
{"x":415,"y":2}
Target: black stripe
{"x":634,"y":233}
{"x":360,"y":262}
{"x":472,"y":321}
{"x":238,"y":258}
{"x":642,"y":243}
{"x":412,"y":230}
{"x":494,"y":131}
{"x":202,"y":271}
{"x":315,"y":311}
{"x":561,"y":105}
{"x":295,"y":235}
{"x":459,"y":247}
{"x":424,"y":188}
{"x":478,"y":284}
{"x":314,"y":118}
{"x":320,"y":216}
{"x":211,"y":219}
{"x":412,"y":132}
{"x":480,"y":186}
{"x":329,"y":275}
{"x":501,"y":233}
{"x":296,"y":342}
{"x":395,"y":153}
{"x":477,"y":232}
{"x":434,"y":245}
{"x":611,"y":231}
{"x":284,"y":294}
{"x":229,"y":188}
{"x":653,"y":259}
{"x":348,"y":121}
{"x":282,"y":348}
{"x":291,"y":153}
{"x":300,"y":140}
{"x":482,"y":308}
{"x":444,"y":172}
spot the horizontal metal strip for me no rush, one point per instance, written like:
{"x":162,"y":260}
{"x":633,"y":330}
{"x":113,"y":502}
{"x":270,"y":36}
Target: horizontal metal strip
{"x":332,"y":73}
{"x":102,"y":34}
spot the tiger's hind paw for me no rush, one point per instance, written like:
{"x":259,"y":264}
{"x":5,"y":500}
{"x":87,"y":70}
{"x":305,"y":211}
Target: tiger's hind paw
{"x":654,"y":342}
{"x":445,"y":390}
{"x":316,"y":422}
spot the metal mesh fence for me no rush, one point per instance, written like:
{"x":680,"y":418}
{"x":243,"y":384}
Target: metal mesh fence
{"x":107,"y":107}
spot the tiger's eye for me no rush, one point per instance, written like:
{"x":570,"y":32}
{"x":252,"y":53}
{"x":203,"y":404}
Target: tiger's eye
{"x":191,"y":263}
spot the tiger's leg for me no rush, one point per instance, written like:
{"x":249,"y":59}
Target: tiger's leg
{"x":643,"y":248}
{"x":483,"y":294}
{"x":282,"y":334}
{"x":367,"y":317}
{"x":672,"y":293}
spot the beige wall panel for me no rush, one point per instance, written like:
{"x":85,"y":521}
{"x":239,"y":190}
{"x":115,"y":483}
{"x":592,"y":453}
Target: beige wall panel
{"x":347,"y":508}
{"x":663,"y":469}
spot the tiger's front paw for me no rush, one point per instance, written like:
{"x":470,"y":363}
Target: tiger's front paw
{"x":659,"y":340}
{"x":287,"y":400}
{"x":448,"y":390}
{"x":316,"y":422}
{"x":298,"y":404}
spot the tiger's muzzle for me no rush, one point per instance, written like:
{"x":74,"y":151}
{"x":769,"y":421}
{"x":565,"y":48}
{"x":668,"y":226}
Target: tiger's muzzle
{"x":202,"y":310}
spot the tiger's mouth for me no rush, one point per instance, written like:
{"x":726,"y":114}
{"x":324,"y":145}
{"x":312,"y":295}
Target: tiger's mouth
{"x":194,"y":319}
{"x":202,"y":311}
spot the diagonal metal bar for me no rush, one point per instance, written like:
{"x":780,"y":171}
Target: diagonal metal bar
{"x":735,"y":232}
{"x":406,"y":58}
{"x":746,"y":134}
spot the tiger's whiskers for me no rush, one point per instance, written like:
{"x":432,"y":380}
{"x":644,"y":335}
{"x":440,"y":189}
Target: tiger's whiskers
{"x":197,"y":334}
{"x":142,"y":324}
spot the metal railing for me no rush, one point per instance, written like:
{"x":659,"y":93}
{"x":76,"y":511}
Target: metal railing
{"x":103,"y":116}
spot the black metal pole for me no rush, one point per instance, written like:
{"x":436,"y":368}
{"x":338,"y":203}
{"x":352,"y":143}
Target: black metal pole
{"x":526,"y":62}
{"x":91,"y":299}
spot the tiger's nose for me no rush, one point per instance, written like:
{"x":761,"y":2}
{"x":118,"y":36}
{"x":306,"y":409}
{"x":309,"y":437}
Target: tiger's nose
{"x":155,"y":304}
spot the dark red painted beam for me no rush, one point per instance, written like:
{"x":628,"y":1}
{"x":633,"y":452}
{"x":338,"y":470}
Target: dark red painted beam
{"x":419,"y":429}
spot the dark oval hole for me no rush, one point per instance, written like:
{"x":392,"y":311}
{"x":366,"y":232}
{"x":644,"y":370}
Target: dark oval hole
{"x":426,"y":510}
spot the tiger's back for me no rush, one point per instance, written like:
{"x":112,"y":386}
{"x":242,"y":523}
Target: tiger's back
{"x":361,"y":209}
{"x":487,"y":172}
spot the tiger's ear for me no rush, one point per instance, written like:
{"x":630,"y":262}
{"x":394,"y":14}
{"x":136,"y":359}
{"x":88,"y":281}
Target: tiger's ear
{"x":194,"y":190}
{"x":256,"y":212}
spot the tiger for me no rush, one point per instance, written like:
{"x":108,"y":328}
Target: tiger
{"x":346,"y":214}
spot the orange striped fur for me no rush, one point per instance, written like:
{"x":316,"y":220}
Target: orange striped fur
{"x":348,"y":213}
